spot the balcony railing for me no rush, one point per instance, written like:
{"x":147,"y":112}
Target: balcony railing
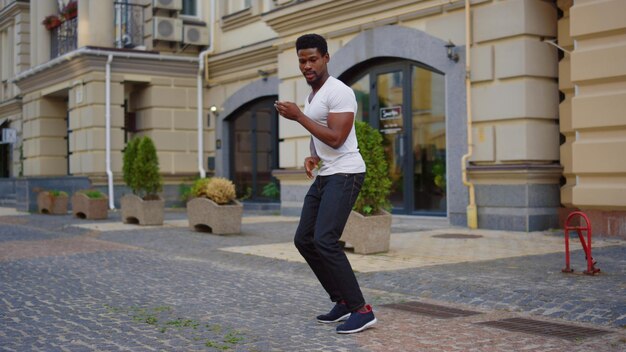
{"x":128,"y":25}
{"x":64,"y":38}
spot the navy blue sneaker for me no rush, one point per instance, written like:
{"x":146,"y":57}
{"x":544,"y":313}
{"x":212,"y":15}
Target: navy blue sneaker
{"x":339,"y":313}
{"x":358,"y":322}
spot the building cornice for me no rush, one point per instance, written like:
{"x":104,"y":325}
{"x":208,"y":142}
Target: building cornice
{"x":249,"y":58}
{"x":334,"y":18}
{"x":87,"y":60}
{"x":8,"y":13}
{"x":11,"y":107}
{"x":239,"y":19}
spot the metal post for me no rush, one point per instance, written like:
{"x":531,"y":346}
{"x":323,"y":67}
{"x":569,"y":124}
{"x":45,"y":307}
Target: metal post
{"x":591,"y":270}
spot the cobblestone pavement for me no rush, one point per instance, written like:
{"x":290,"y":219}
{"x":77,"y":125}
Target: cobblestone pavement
{"x":65,"y":288}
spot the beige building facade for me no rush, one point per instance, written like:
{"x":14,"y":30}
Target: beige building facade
{"x":544,"y":106}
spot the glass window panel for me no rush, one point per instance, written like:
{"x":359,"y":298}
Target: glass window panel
{"x":362,"y":92}
{"x":392,"y":127}
{"x":243,"y":153}
{"x":429,"y":140}
{"x":190,"y":8}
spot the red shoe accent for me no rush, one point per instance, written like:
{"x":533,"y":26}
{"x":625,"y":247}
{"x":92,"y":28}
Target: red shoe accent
{"x":367,"y":308}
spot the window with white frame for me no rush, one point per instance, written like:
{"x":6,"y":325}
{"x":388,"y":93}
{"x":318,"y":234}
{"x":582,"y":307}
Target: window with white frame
{"x":7,"y":68}
{"x":232,"y":6}
{"x":191,"y":8}
{"x":6,"y":51}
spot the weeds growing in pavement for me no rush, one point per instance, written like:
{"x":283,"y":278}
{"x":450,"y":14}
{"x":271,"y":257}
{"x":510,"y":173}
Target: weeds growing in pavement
{"x":213,"y":335}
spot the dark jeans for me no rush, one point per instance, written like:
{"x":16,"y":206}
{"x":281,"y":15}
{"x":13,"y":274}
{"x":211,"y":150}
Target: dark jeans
{"x":326,"y":208}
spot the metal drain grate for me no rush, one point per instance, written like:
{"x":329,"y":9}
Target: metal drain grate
{"x":432,"y":310}
{"x":457,"y":236}
{"x":537,"y":327}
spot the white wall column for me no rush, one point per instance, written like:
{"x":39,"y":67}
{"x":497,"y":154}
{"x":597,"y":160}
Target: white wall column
{"x":40,"y":36}
{"x":95,"y":23}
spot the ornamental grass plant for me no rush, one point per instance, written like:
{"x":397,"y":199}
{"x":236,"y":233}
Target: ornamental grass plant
{"x":218,"y":189}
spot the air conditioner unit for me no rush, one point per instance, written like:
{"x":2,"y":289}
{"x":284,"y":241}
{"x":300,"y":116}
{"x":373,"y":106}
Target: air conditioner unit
{"x":166,"y":28}
{"x":168,"y":4}
{"x":196,"y":35}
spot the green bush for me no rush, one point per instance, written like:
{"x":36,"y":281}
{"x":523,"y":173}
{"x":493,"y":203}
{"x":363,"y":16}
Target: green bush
{"x":93,"y":194}
{"x":218,"y":189}
{"x":57,"y":193}
{"x":198,"y":189}
{"x":271,"y":190}
{"x":146,"y":172}
{"x":184,"y":192}
{"x":374,"y":195}
{"x":130,"y":154}
{"x":439,"y":170}
{"x":141,"y":168}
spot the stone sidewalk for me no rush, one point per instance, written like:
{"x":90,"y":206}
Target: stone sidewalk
{"x":73,"y":285}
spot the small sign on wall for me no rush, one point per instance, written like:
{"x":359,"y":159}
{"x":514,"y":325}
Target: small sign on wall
{"x":9,"y":136}
{"x":79,"y":94}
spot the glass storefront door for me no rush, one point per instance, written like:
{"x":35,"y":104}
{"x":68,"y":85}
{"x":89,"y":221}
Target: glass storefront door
{"x":428,"y":141}
{"x":390,"y":99}
{"x":406,"y":102}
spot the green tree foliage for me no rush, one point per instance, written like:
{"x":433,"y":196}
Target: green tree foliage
{"x":141,"y":168}
{"x":199,"y":187}
{"x":374,"y":195}
{"x":130,"y":154}
{"x":271,"y":190}
{"x":146,"y":175}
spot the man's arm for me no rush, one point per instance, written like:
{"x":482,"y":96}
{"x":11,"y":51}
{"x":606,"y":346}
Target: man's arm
{"x":311,"y":162}
{"x":339,"y":123}
{"x":312,"y":148}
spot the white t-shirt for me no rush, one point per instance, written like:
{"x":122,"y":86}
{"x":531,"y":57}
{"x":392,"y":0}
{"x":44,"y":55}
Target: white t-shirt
{"x":334,"y":96}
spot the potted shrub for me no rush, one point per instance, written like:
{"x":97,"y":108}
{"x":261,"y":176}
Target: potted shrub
{"x":90,"y":204}
{"x":51,"y":22}
{"x":141,"y":173}
{"x":52,"y":202}
{"x":213,"y":207}
{"x":70,"y":10}
{"x":368,"y":229}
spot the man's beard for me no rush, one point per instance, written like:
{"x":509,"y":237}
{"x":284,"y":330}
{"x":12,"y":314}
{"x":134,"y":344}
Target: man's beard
{"x":315,"y":79}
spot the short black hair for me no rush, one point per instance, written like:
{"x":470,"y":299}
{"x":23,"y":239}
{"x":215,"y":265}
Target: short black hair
{"x":312,"y":41}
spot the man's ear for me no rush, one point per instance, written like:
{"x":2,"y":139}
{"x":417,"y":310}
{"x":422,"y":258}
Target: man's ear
{"x":327,"y":57}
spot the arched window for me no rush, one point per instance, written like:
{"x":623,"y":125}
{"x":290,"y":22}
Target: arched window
{"x":254,"y":150}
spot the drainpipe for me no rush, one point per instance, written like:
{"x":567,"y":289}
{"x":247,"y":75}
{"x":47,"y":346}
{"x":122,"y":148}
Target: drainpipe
{"x":200,"y":113}
{"x":107,"y":118}
{"x":472,"y":215}
{"x":201,"y":58}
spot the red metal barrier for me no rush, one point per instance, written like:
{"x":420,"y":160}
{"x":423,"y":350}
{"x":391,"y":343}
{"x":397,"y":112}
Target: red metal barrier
{"x":591,"y":269}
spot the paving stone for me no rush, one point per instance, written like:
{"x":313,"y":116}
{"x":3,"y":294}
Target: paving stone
{"x":125,"y":291}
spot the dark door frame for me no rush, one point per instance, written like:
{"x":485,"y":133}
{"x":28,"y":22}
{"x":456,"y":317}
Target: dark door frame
{"x":5,"y":155}
{"x":255,"y":104}
{"x":383,"y":66}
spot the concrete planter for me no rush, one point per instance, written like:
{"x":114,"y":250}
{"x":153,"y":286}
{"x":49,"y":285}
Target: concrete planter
{"x":204,"y":214}
{"x":90,"y":208}
{"x":135,"y":210}
{"x":49,"y":204}
{"x":368,"y":234}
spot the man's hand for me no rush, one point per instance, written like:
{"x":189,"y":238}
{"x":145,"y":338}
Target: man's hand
{"x":288,"y":110}
{"x":310,"y":163}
